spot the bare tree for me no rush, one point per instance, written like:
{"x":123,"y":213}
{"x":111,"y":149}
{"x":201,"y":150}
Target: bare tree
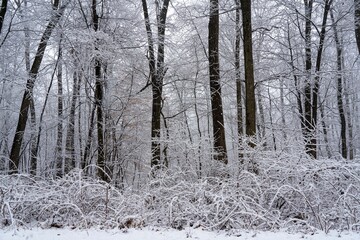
{"x":99,"y":97}
{"x":60,"y":110}
{"x":312,"y":87}
{"x":357,"y":22}
{"x":249,"y":69}
{"x":238,"y":76}
{"x":215,"y":86}
{"x":24,"y":108}
{"x":157,"y":73}
{"x":70,"y":161}
{"x":339,"y":95}
{"x":250,"y":102}
{"x":3,"y":8}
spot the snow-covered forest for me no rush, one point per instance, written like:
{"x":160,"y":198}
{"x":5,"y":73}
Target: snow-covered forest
{"x":216,"y":114}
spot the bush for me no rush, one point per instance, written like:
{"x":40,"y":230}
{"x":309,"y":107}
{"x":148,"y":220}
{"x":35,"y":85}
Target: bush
{"x":288,"y":192}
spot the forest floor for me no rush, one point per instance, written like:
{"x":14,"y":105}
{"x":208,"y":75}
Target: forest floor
{"x":165,"y":234}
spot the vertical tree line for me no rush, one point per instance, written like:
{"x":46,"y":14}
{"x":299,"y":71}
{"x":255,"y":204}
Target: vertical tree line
{"x":26,"y":100}
{"x":174,"y":87}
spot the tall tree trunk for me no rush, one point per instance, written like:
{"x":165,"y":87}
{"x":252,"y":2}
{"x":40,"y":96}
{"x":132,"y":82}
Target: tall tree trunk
{"x":357,"y":22}
{"x":60,"y":110}
{"x":89,"y":139}
{"x":249,"y":70}
{"x":352,"y":152}
{"x":157,"y":73}
{"x":348,"y":112}
{"x":197,"y":115}
{"x":315,"y":92}
{"x":239,"y":103}
{"x":33,"y":138}
{"x":35,"y":151}
{"x":339,"y":94}
{"x":271,"y":120}
{"x":24,"y":108}
{"x":70,"y":160}
{"x":250,"y":103}
{"x":308,"y":124}
{"x":261,"y":118}
{"x":3,"y":12}
{"x":325,"y":132}
{"x":99,"y":97}
{"x":298,"y":93}
{"x":312,"y":93}
{"x":282,"y":109}
{"x":215,"y":86}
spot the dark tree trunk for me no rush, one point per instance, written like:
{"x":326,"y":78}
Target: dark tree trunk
{"x":3,"y":12}
{"x":33,"y":138}
{"x":308,"y":124}
{"x":60,"y":109}
{"x":215,"y":86}
{"x":249,"y":69}
{"x":89,"y":139}
{"x":35,"y":152}
{"x":325,"y":131}
{"x":70,"y":134}
{"x":24,"y":108}
{"x":357,"y":23}
{"x":298,"y":93}
{"x":339,"y":94}
{"x":312,"y":93}
{"x":238,"y":79}
{"x":250,"y":102}
{"x":315,"y":93}
{"x":157,"y":73}
{"x":99,"y":98}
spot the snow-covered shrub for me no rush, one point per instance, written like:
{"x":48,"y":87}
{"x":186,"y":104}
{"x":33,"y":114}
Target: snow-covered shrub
{"x":288,"y":191}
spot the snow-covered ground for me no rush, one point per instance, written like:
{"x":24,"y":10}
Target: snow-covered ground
{"x":163,"y":234}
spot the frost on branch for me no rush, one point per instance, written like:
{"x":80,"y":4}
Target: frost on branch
{"x":291,"y":192}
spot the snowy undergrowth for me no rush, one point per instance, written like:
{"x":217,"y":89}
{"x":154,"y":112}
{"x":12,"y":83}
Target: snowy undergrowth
{"x":292,"y":193}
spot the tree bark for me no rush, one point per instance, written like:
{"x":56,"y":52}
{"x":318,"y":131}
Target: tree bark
{"x":357,"y":22}
{"x":3,"y":12}
{"x":24,"y":108}
{"x":70,"y":134}
{"x":89,"y":139}
{"x":157,"y":73}
{"x":60,"y":110}
{"x":312,"y":93}
{"x":215,"y":86}
{"x":239,"y":96}
{"x":315,"y":92}
{"x":298,"y":93}
{"x":339,"y":93}
{"x":99,"y":98}
{"x":249,"y":70}
{"x":250,"y":103}
{"x":308,"y":124}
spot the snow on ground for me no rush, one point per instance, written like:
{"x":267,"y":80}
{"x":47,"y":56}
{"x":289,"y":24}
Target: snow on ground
{"x":163,"y":234}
